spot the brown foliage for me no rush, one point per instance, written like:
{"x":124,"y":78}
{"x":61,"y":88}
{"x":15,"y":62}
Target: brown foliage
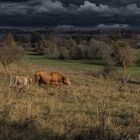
{"x":10,"y":55}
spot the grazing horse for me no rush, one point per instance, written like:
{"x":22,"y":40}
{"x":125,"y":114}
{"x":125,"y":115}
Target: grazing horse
{"x":54,"y":78}
{"x":22,"y":80}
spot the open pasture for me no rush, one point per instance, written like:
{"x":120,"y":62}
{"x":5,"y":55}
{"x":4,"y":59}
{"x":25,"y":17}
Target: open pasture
{"x":89,"y":109}
{"x":82,"y":65}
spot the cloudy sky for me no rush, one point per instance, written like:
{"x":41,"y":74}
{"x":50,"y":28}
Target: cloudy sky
{"x":75,"y":12}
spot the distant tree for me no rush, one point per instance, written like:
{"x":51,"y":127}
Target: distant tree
{"x":99,"y":49}
{"x":84,"y":42}
{"x":78,"y":52}
{"x":77,"y":38}
{"x":93,"y":49}
{"x":8,"y":40}
{"x":53,"y":37}
{"x":10,"y":53}
{"x":40,"y":47}
{"x":115,"y":34}
{"x":35,"y":38}
{"x":64,"y":53}
{"x":123,"y":54}
{"x":51,"y":49}
{"x":106,"y":52}
{"x":21,"y":39}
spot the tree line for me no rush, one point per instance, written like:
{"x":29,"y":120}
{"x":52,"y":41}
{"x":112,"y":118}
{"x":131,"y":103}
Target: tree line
{"x":111,"y":50}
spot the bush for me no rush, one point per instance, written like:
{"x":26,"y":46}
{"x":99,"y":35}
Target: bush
{"x":123,"y":54}
{"x":64,"y":53}
{"x":78,"y":52}
{"x":9,"y":55}
{"x":100,"y":50}
{"x":53,"y":52}
{"x":8,"y":40}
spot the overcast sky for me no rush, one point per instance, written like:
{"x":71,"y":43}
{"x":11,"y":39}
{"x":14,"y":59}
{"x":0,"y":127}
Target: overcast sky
{"x":69,"y":12}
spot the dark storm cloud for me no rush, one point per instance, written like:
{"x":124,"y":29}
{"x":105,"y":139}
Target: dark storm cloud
{"x":57,"y":7}
{"x":70,"y":11}
{"x":108,"y":11}
{"x":78,"y":2}
{"x":31,"y":7}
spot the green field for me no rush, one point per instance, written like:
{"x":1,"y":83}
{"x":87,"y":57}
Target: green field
{"x":83,"y":65}
{"x":137,"y":53}
{"x":74,"y":64}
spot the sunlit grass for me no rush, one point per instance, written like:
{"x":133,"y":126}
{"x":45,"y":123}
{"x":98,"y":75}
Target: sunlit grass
{"x":86,"y":109}
{"x":87,"y":65}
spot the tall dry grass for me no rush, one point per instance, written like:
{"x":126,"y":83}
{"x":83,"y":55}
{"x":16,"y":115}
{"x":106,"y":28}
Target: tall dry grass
{"x":89,"y":109}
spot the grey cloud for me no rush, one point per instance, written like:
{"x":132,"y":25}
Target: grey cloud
{"x":113,"y":26}
{"x":57,"y":7}
{"x":13,"y":9}
{"x":93,"y":7}
{"x":133,"y":9}
{"x":49,"y":7}
{"x":105,"y":10}
{"x":32,"y":7}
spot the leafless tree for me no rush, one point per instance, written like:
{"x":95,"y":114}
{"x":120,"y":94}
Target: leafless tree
{"x":9,"y":56}
{"x":9,"y":52}
{"x":123,"y":54}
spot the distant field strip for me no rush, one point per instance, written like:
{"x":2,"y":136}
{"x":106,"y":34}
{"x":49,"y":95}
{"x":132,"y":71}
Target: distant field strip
{"x":88,"y":65}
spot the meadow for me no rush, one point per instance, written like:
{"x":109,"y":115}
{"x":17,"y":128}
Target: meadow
{"x":85,"y":65}
{"x":90,"y":109}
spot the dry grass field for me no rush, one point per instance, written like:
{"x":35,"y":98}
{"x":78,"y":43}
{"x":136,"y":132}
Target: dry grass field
{"x":89,"y":109}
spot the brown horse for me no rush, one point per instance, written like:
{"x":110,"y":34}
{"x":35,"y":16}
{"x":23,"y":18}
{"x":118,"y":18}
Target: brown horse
{"x":54,"y":78}
{"x":22,"y":80}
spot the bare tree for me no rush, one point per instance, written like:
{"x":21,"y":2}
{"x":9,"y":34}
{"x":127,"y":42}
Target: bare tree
{"x":9,"y":53}
{"x":8,"y":40}
{"x":123,"y":54}
{"x":99,"y":49}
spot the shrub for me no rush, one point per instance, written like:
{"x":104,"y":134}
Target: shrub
{"x":9,"y":55}
{"x":8,"y":40}
{"x":64,"y":53}
{"x":123,"y":54}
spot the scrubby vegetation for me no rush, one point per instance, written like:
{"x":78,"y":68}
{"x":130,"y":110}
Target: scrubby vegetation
{"x":111,"y":50}
{"x":91,"y":108}
{"x":101,"y":104}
